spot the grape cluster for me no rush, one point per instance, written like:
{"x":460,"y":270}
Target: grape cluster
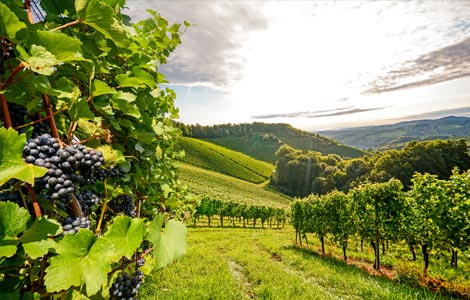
{"x":112,"y":172}
{"x":67,"y":167}
{"x":123,"y":203}
{"x":71,"y":225}
{"x":127,"y":286}
{"x":40,"y":129}
{"x":7,"y":193}
{"x":87,"y":200}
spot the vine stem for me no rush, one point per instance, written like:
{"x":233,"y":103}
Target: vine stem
{"x":5,"y":111}
{"x":103,"y":209}
{"x":34,"y":200}
{"x":68,"y":25}
{"x":12,"y":75}
{"x":27,"y":5}
{"x":131,"y":261}
{"x":37,"y":121}
{"x":50,"y":115}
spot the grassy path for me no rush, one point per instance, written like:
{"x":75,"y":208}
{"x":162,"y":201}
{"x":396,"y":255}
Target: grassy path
{"x":237,"y":263}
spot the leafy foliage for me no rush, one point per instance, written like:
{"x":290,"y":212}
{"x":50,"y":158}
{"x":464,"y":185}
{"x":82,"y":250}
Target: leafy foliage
{"x":299,"y":173}
{"x":93,"y":80}
{"x":432,"y":215}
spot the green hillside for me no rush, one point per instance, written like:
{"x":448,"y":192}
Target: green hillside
{"x":213,"y":157}
{"x":219,"y":186}
{"x":257,"y":145}
{"x":261,"y":140}
{"x":395,"y":136}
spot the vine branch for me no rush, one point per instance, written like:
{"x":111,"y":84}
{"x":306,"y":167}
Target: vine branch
{"x":131,"y":261}
{"x":12,"y":75}
{"x":103,"y":209}
{"x":68,"y":25}
{"x":27,"y":5}
{"x":5,"y":111}
{"x":50,"y":115}
{"x":34,"y":200}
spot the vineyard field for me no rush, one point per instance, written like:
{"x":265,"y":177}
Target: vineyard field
{"x":237,"y":263}
{"x":220,"y":186}
{"x":213,"y":157}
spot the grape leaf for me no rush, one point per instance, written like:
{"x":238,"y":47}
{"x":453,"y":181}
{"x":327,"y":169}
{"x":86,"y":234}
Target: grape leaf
{"x":99,"y":15}
{"x":169,"y":243}
{"x":100,"y":88}
{"x":79,"y":109}
{"x":36,"y":242}
{"x":9,"y":23}
{"x":41,"y":61}
{"x":125,"y":235}
{"x":62,"y":46}
{"x":8,"y":247}
{"x":140,"y":78}
{"x":11,"y":161}
{"x":13,"y":221}
{"x":82,"y":260}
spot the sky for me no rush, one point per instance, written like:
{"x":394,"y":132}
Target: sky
{"x":317,"y":65}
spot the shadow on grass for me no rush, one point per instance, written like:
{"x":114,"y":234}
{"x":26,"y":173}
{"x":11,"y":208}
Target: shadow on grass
{"x":428,"y":284}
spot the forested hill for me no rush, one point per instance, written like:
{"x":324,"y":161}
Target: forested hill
{"x":262,"y":140}
{"x":396,"y":136}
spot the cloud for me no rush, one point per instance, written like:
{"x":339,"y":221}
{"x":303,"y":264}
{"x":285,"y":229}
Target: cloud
{"x":209,"y":53}
{"x":319,"y":113}
{"x":447,"y":63}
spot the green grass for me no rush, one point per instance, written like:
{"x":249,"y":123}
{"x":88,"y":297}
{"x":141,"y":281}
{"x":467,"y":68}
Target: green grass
{"x":219,"y":186}
{"x":213,"y":157}
{"x":237,"y":263}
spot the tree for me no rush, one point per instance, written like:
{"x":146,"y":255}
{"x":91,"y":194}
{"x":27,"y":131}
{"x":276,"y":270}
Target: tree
{"x":340,"y":213}
{"x":379,"y":211}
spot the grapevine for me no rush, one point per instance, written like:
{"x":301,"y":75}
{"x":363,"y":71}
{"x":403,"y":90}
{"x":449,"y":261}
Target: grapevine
{"x":86,"y":151}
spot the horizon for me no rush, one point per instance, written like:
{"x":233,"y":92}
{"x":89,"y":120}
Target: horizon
{"x":317,"y":65}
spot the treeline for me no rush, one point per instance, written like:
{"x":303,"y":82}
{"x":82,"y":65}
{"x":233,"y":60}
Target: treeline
{"x":273,"y":134}
{"x":432,"y":215}
{"x":243,"y":129}
{"x":240,"y":212}
{"x":301,"y":173}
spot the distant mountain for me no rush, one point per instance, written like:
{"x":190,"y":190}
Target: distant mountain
{"x":261,"y":140}
{"x":395,"y":136}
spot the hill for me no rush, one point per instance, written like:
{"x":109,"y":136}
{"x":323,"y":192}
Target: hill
{"x":223,"y":187}
{"x":395,"y":136}
{"x":213,"y":157}
{"x":261,"y":140}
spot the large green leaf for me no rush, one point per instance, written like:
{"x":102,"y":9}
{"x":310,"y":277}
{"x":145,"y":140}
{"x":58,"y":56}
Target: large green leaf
{"x":40,"y":60}
{"x":11,"y":161}
{"x":9,"y":23}
{"x":169,"y":243}
{"x":36,"y":240}
{"x":101,"y":88}
{"x":125,"y":235}
{"x":82,"y":260}
{"x":140,"y":78}
{"x":13,"y":221}
{"x":79,"y":109}
{"x":62,"y":46}
{"x":100,"y":16}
